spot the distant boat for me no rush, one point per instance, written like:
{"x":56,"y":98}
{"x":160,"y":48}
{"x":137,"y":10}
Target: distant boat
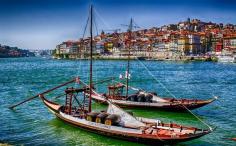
{"x":141,"y":58}
{"x":227,"y":58}
{"x":143,"y":99}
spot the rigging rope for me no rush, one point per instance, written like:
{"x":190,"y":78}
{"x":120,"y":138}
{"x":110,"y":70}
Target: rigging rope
{"x":148,"y":72}
{"x":86,"y":27}
{"x":82,"y":47}
{"x":95,"y":24}
{"x":100,"y":17}
{"x":163,"y":86}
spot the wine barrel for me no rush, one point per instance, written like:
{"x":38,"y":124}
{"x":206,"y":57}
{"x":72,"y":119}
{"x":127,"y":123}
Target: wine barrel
{"x":112,"y":119}
{"x":141,"y":98}
{"x":132,"y":97}
{"x":148,"y":97}
{"x":101,"y":117}
{"x":91,"y":116}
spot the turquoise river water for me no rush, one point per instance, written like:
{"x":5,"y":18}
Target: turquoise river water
{"x":32,"y":123}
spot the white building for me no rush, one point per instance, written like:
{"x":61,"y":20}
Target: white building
{"x":194,"y":44}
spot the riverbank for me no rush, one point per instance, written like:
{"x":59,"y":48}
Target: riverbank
{"x":14,"y":52}
{"x":112,"y":57}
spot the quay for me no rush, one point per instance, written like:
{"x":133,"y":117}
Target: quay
{"x":187,"y":40}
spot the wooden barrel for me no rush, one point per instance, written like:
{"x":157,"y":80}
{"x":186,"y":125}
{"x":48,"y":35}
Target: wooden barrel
{"x":101,"y":117}
{"x":132,"y":97}
{"x":148,"y":97}
{"x":112,"y":119}
{"x":91,"y":116}
{"x":141,"y":98}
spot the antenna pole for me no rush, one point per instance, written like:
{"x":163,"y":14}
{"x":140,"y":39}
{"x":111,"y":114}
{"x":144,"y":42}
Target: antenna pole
{"x":128,"y":63}
{"x":91,"y":57}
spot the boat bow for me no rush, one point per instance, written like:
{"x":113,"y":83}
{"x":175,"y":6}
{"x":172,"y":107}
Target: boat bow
{"x":52,"y":106}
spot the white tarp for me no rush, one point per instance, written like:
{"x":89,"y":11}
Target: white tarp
{"x":126,"y":119}
{"x":158,"y":99}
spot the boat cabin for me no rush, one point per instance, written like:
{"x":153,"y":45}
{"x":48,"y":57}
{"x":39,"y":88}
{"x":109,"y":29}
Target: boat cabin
{"x":116,"y":91}
{"x":73,"y":105}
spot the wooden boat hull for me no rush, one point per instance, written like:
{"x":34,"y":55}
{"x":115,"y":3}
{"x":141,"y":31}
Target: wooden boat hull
{"x":131,"y":138}
{"x":112,"y":131}
{"x":178,"y":106}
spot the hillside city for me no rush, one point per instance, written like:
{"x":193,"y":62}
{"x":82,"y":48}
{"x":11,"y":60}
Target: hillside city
{"x":7,"y":51}
{"x":190,"y":38}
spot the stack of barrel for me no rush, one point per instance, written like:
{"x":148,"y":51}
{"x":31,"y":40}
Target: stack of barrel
{"x":103,"y":118}
{"x":141,"y":97}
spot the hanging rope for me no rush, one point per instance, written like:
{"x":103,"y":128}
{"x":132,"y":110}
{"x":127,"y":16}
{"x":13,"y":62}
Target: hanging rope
{"x":82,"y":47}
{"x":86,"y":26}
{"x":95,"y":25}
{"x":173,"y":95}
{"x":163,"y":86}
{"x":100,"y":18}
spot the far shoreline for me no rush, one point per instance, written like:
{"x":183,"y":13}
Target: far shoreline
{"x":125,"y":58}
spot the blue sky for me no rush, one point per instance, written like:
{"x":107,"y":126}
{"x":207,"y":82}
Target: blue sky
{"x":42,"y":24}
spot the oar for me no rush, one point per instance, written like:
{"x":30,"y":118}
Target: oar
{"x":58,"y":96}
{"x":13,"y":106}
{"x":233,"y":139}
{"x":98,"y":82}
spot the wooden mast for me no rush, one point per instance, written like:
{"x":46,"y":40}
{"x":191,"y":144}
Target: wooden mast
{"x":91,"y":57}
{"x":128,"y":63}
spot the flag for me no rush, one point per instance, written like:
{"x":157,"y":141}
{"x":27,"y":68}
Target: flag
{"x":126,"y":75}
{"x":120,"y":76}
